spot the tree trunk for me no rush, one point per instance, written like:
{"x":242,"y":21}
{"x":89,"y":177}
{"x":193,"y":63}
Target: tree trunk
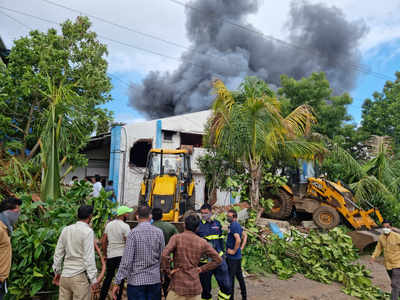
{"x":255,"y":174}
{"x":34,"y":149}
{"x":28,"y":126}
{"x":50,"y":186}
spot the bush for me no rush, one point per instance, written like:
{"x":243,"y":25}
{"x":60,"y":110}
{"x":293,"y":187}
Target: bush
{"x":321,"y":256}
{"x":35,"y":237}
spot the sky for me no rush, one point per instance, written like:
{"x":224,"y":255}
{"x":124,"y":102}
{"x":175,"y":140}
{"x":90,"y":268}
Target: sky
{"x":132,"y":52}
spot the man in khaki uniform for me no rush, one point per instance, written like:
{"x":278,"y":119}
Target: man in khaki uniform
{"x":389,"y":242}
{"x":75,"y":247}
{"x":9,"y":213}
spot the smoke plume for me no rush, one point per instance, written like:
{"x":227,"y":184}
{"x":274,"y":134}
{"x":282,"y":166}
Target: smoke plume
{"x":320,"y":39}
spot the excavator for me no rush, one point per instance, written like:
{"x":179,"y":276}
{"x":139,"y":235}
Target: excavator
{"x":168,"y":183}
{"x":330,"y":204}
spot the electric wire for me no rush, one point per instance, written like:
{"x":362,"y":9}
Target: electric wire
{"x":358,"y":68}
{"x":16,"y":21}
{"x":119,"y":42}
{"x":151,"y":36}
{"x":52,"y":22}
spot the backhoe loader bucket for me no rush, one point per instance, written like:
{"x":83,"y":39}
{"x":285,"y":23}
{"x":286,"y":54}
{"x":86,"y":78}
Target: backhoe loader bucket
{"x":363,"y":238}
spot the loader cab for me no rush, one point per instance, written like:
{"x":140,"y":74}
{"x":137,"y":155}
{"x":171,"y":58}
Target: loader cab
{"x":298,"y":176}
{"x":168,"y":183}
{"x":165,"y":163}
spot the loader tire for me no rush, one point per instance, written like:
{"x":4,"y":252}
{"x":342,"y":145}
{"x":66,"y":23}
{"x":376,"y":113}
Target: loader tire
{"x":283,"y":205}
{"x":326,"y":217}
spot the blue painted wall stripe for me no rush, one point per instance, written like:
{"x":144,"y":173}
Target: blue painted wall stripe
{"x":158,"y":135}
{"x":115,"y":157}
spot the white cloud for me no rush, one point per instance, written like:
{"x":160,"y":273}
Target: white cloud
{"x":156,"y":17}
{"x":382,"y":18}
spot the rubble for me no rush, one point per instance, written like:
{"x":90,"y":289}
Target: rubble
{"x":284,"y":226}
{"x":308,"y":225}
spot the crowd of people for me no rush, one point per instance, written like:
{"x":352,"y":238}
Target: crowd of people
{"x":153,"y":260}
{"x":98,"y":183}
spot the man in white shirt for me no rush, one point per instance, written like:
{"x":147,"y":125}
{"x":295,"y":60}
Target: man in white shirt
{"x":97,"y":187}
{"x":75,"y":247}
{"x":73,"y":180}
{"x":113,"y":245}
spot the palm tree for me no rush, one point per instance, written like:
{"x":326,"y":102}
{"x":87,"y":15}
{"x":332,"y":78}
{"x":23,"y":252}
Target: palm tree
{"x":248,"y":126}
{"x":376,"y":181}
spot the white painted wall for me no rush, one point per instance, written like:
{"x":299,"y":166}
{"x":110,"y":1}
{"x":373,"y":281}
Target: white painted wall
{"x":129,"y":184}
{"x":98,"y":163}
{"x":188,"y":123}
{"x":130,"y":178}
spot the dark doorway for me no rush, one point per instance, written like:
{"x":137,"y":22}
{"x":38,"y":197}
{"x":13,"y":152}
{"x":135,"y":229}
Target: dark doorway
{"x":138,"y":153}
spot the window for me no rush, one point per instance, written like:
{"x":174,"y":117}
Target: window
{"x":138,"y":153}
{"x":168,"y":135}
{"x":195,"y":140}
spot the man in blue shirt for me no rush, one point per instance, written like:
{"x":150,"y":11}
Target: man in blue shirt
{"x":211,"y":231}
{"x":109,"y":188}
{"x":234,"y":247}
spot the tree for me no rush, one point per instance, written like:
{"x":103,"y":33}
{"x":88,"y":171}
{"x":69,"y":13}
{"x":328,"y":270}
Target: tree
{"x":330,"y":110}
{"x":75,"y":57}
{"x":247,"y":126}
{"x":375,"y":181}
{"x":380,"y":116}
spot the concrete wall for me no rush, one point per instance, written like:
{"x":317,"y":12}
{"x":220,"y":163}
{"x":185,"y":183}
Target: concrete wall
{"x":131,"y":177}
{"x":98,"y":163}
{"x":189,"y":123}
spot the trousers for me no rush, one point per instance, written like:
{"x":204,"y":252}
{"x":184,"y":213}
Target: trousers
{"x":235,"y":270}
{"x":112,"y":266}
{"x":174,"y":296}
{"x":221,"y":274}
{"x":144,"y":292}
{"x":394,"y":275}
{"x":2,"y":290}
{"x":165,"y":284}
{"x":74,"y":288}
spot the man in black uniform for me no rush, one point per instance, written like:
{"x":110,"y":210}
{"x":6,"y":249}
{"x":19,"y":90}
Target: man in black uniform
{"x":211,"y":230}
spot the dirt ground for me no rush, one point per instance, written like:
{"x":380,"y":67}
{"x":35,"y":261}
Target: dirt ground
{"x":300,"y":288}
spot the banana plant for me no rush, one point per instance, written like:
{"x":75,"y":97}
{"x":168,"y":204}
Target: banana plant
{"x":59,"y":96}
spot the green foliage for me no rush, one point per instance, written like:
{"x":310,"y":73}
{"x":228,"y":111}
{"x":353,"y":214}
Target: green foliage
{"x":247,"y":127}
{"x":35,"y":237}
{"x":380,"y":115}
{"x":375,"y":181}
{"x":321,"y":256}
{"x":103,"y":211}
{"x":315,"y":90}
{"x":224,"y":174}
{"x":73,"y":57}
{"x":217,"y":168}
{"x":16,"y":176}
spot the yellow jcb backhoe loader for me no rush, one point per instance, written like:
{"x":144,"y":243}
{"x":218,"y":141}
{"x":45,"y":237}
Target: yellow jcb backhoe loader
{"x":329,"y":203}
{"x":168,"y":183}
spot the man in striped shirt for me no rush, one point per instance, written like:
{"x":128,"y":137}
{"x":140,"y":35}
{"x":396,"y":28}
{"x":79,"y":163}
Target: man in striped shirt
{"x":140,"y":263}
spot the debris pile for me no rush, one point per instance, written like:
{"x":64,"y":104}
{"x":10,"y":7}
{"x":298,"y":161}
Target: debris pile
{"x":320,"y":256}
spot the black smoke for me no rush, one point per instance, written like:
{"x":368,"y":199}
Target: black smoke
{"x":320,"y":39}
